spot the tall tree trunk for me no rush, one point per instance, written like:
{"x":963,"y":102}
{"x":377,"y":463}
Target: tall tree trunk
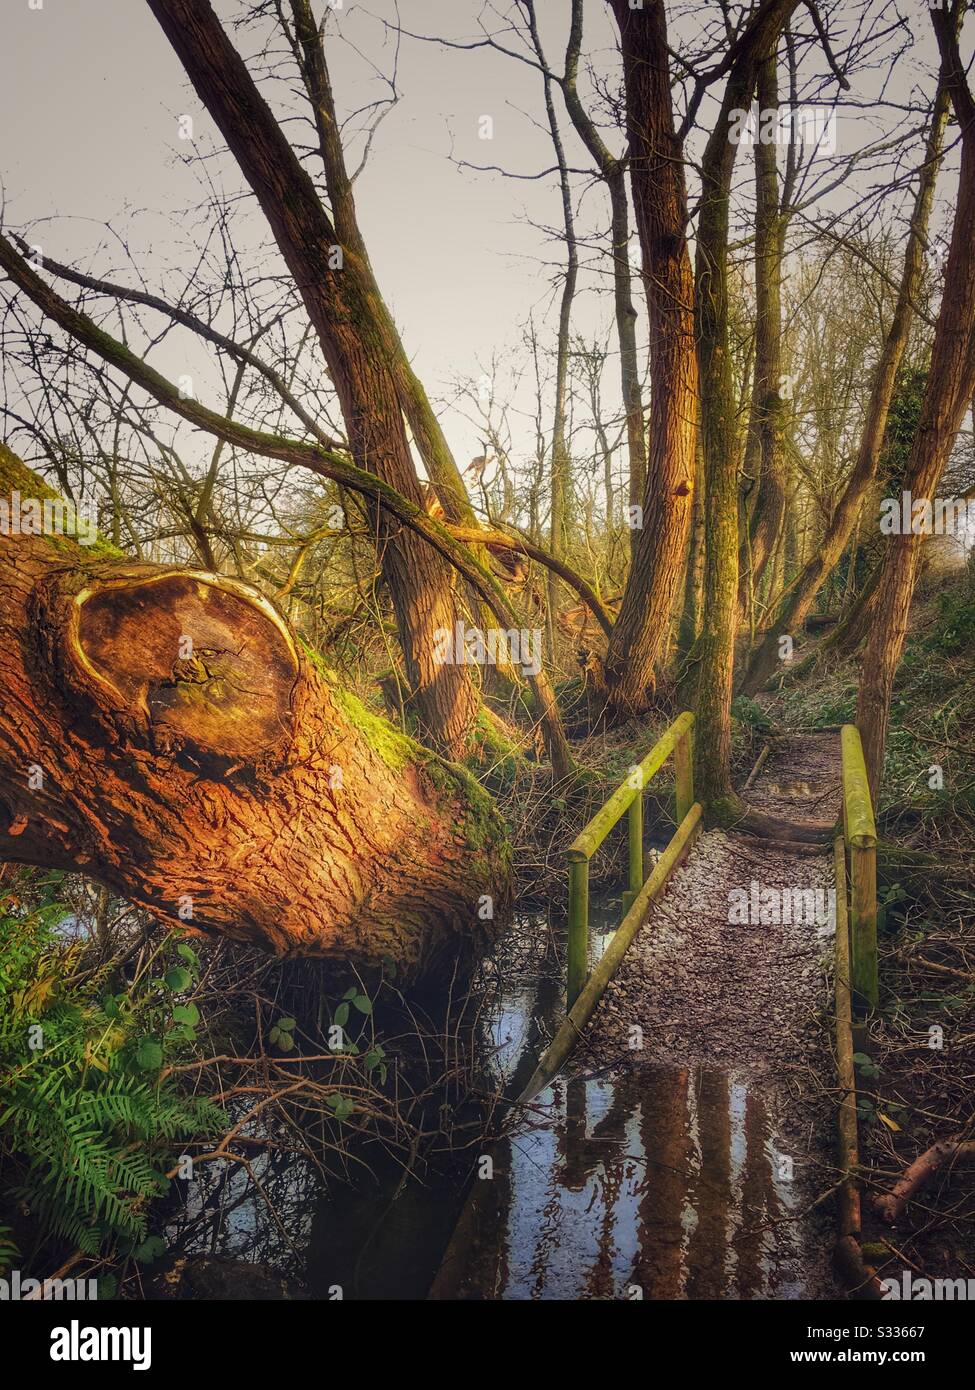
{"x":951,"y":381}
{"x":626,"y":315}
{"x":613,"y":171}
{"x":561,"y":465}
{"x":424,"y":425}
{"x":801,"y":594}
{"x":383,"y":336}
{"x":765,"y":425}
{"x":642,"y":630}
{"x":561,"y":474}
{"x":338,"y":289}
{"x":716,"y":648}
{"x":163,"y":731}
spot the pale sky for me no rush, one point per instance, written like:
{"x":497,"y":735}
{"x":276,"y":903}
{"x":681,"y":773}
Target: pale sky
{"x":91,"y":93}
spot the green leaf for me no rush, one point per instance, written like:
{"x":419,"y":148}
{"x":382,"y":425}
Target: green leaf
{"x":363,"y":1003}
{"x":178,"y":978}
{"x":188,"y":954}
{"x":186,"y":1013}
{"x":342,"y":1106}
{"x":288,"y":1024}
{"x":286,"y":1042}
{"x":341,"y":1017}
{"x":150,"y":1249}
{"x":149,"y":1055}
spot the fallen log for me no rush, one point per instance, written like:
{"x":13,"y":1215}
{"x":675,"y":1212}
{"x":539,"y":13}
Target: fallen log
{"x":164,"y":731}
{"x":890,"y":1205}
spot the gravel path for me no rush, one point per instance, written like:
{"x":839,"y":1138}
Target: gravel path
{"x":707,"y":987}
{"x":707,"y":990}
{"x":715,"y":987}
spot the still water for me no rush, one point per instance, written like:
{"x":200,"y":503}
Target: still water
{"x":658,"y":1184}
{"x":655,"y":1183}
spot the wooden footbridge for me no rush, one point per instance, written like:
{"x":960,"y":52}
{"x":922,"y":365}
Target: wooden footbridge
{"x":654,"y":972}
{"x":856,"y":881}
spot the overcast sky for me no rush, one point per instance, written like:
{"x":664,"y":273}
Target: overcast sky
{"x":91,"y":93}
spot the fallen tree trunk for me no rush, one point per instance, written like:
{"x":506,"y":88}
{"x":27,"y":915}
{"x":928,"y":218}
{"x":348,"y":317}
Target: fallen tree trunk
{"x":163,"y":731}
{"x":325,"y":462}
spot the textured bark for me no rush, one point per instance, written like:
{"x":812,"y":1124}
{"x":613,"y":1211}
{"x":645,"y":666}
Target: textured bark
{"x":798,"y":600}
{"x":890,"y":1205}
{"x":951,"y":381}
{"x":765,"y":424}
{"x":690,"y":617}
{"x":716,"y":647}
{"x":642,"y":630}
{"x":341,"y":303}
{"x":324,"y":462}
{"x":224,"y":775}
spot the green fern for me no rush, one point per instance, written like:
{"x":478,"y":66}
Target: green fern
{"x":86,"y":1126}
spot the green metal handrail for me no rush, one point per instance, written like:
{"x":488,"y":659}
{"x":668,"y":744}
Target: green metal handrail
{"x":860,"y":835}
{"x":627,"y":798}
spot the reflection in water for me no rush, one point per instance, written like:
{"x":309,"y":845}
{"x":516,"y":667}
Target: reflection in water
{"x":660,"y":1185}
{"x":225,"y":1213}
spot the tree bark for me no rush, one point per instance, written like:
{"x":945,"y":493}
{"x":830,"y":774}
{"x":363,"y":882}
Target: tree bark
{"x":767,"y":406}
{"x":890,"y":1205}
{"x":340,"y":297}
{"x":690,"y":618}
{"x":561,"y":493}
{"x":716,"y":648}
{"x":163,"y":731}
{"x":641,"y":632}
{"x":799,"y":598}
{"x":951,"y":381}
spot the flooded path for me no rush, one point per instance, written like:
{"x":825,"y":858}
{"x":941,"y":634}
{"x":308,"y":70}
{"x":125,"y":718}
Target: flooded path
{"x":661,"y":1184}
{"x":685,"y":1154}
{"x":688,"y":1151}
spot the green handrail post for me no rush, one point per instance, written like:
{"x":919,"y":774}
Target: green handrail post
{"x":635,"y":817}
{"x":860,"y":832}
{"x":577,"y":946}
{"x":628,"y":796}
{"x":684,"y":772}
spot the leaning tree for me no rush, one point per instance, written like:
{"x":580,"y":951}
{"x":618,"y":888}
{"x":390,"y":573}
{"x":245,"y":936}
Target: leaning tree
{"x":164,"y":731}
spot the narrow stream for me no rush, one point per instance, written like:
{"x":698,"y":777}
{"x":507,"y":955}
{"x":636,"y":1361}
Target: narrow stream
{"x":656,"y":1183}
{"x":659,"y":1184}
{"x":357,"y":1237}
